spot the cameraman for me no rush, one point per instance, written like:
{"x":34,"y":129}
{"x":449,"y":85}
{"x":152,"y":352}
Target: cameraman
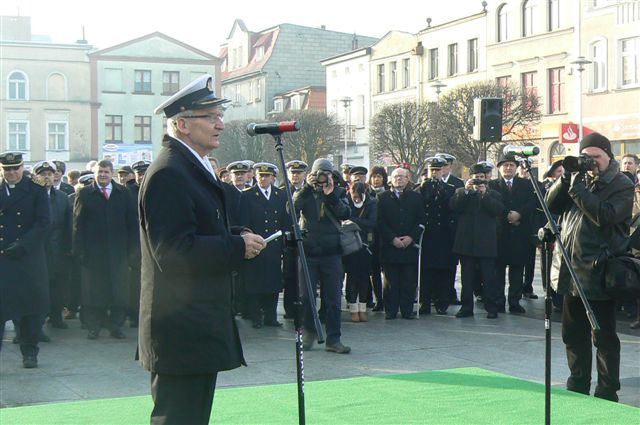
{"x":594,"y":200}
{"x":318,"y":199}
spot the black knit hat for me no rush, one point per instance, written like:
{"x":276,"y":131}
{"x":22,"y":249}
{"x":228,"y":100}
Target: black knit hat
{"x":597,"y":140}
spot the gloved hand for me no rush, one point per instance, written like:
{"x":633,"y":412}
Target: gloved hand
{"x":577,"y":180}
{"x":15,"y":251}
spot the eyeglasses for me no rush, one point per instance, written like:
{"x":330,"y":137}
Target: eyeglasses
{"x":212,"y":117}
{"x":11,"y":168}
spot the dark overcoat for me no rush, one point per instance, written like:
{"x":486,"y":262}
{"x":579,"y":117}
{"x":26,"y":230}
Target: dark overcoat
{"x":104,"y":238}
{"x":399,"y":217}
{"x":263,"y":274}
{"x":188,"y":254}
{"x":58,"y":245}
{"x":66,"y":188}
{"x":25,"y":219}
{"x":440,"y":225}
{"x":476,"y":233}
{"x":514,"y":241}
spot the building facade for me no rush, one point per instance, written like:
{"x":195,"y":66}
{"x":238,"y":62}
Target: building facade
{"x":45,"y":102}
{"x":128,"y":81}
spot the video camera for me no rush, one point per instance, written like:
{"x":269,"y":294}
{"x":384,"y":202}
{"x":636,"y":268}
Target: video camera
{"x":579,"y":164}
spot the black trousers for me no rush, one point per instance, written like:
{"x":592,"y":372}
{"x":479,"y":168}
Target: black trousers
{"x":376,"y":277}
{"x":435,"y":284}
{"x":263,"y":305}
{"x":182,"y":399}
{"x":516,"y":275}
{"x":477,"y":271}
{"x":578,"y":337}
{"x":111,"y":318}
{"x":400,"y":283}
{"x":58,"y":296}
{"x":133,"y":310}
{"x":29,"y":330}
{"x":358,"y":269}
{"x":289,"y":274}
{"x":529,"y":269}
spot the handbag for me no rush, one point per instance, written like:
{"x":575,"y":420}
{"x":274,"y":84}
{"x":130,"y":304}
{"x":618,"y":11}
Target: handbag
{"x":622,"y":276}
{"x":350,"y":239}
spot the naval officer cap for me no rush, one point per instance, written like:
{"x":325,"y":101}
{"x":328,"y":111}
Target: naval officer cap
{"x":447,"y":157}
{"x":359,"y":170}
{"x":11,"y":159}
{"x":238,"y":167}
{"x":296,"y":166}
{"x":198,"y":94}
{"x":436,"y":162}
{"x":44,"y":166}
{"x":265,"y":168}
{"x":125,"y":169}
{"x":141,"y":165}
{"x":87,"y":179}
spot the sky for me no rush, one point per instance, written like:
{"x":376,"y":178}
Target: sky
{"x":205,"y":24}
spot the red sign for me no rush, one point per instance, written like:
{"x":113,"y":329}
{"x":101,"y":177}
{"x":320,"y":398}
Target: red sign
{"x":569,"y":132}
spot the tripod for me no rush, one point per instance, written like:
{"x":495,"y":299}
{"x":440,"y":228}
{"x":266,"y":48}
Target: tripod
{"x":547,"y":236}
{"x":295,"y":240}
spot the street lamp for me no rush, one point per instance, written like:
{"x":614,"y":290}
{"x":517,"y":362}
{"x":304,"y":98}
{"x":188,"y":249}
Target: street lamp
{"x":581,"y":61}
{"x":346,"y":102}
{"x":438,"y":85}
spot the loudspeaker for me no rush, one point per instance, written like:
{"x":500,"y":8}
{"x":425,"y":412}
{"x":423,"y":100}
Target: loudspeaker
{"x":487,"y":119}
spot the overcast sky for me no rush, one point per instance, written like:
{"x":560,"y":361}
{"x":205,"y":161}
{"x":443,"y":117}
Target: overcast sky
{"x":205,"y":24}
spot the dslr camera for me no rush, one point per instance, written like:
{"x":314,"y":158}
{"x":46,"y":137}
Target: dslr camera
{"x":477,"y":182}
{"x":578,"y":164}
{"x":322,"y":179}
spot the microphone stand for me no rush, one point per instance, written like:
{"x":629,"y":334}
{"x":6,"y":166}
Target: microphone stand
{"x":295,"y":240}
{"x":547,"y":235}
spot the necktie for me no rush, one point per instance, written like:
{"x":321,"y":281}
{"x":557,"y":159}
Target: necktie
{"x":509,"y":185}
{"x":105,"y":193}
{"x":266,"y":193}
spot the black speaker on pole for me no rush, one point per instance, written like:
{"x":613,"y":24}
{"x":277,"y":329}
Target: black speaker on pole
{"x":487,"y":116}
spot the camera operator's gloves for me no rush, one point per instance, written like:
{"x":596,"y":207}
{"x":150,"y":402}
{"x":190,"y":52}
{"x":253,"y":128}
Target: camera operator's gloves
{"x":15,"y":251}
{"x":577,"y":182}
{"x":311,"y":179}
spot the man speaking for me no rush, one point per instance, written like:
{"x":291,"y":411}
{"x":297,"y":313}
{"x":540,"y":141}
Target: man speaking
{"x":187,"y":332}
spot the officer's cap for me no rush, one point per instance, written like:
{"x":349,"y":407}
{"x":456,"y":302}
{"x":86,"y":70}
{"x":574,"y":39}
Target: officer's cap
{"x":125,"y":169}
{"x":479,"y":168}
{"x":446,"y":156}
{"x":60,"y":165}
{"x":238,"y":166}
{"x":436,"y":162}
{"x":198,"y":94}
{"x":249,"y":162}
{"x":357,"y":170}
{"x":141,"y":165}
{"x":296,"y":165}
{"x":44,"y":166}
{"x":346,"y":168}
{"x":11,"y":159}
{"x":222,"y":171}
{"x":265,"y":168}
{"x":87,"y":179}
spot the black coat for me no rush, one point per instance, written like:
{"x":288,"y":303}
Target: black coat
{"x":263,"y":274}
{"x":24,"y":223}
{"x":440,"y":225}
{"x":476,"y":233}
{"x":186,"y":323}
{"x":104,"y":239}
{"x":58,"y":246}
{"x":66,"y":188}
{"x":399,"y":217}
{"x":514,"y":240}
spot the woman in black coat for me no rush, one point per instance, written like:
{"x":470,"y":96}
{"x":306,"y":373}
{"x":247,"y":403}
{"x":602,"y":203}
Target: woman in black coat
{"x":358,"y":265}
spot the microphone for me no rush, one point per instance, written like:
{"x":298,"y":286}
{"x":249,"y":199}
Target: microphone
{"x":514,"y":150}
{"x":273,"y":128}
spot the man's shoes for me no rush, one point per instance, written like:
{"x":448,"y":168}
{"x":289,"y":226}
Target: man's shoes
{"x":390,"y":316}
{"x":117,"y":334}
{"x":272,"y":323}
{"x":530,"y":295}
{"x":59,"y":325}
{"x":29,"y":362}
{"x":93,"y":334}
{"x":493,"y":315}
{"x":338,"y":347}
{"x":378,"y":307}
{"x":308,"y":339}
{"x":408,"y":317}
{"x":517,"y":309}
{"x":635,"y":325}
{"x":44,"y":337}
{"x":463,"y":313}
{"x":256,"y":324}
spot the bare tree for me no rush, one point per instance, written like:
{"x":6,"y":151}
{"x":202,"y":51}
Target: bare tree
{"x":403,"y":133}
{"x":454,"y":118}
{"x":236,"y":145}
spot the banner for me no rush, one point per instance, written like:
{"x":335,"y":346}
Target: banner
{"x":569,"y":132}
{"x":126,"y":154}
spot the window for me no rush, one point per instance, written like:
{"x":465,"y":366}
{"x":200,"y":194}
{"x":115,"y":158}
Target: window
{"x":112,"y":80}
{"x":295,"y":103}
{"x":57,"y":136}
{"x":394,"y":75}
{"x":406,"y":73}
{"x":170,"y":82}
{"x":629,"y":56}
{"x":528,"y":17}
{"x":259,"y":53}
{"x":347,"y":71}
{"x":277,"y":105}
{"x":554,"y":14}
{"x":18,"y":86}
{"x":433,"y":64}
{"x":503,"y":81}
{"x":142,"y":129}
{"x":380,"y":78}
{"x":142,"y":81}
{"x":452,"y":62}
{"x":530,"y":85}
{"x":113,"y":128}
{"x":472,"y":61}
{"x":257,"y":90}
{"x":598,"y":57}
{"x":18,"y":135}
{"x":503,"y":20}
{"x":556,"y":90}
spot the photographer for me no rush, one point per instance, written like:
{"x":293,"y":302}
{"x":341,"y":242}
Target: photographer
{"x":476,"y":240}
{"x":594,"y":200}
{"x":316,"y":201}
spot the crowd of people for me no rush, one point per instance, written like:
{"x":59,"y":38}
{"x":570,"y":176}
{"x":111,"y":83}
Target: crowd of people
{"x":178,"y":246}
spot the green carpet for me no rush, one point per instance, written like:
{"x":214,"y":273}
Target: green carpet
{"x":454,"y":396}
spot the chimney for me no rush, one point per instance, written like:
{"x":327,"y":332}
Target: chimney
{"x":354,"y":42}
